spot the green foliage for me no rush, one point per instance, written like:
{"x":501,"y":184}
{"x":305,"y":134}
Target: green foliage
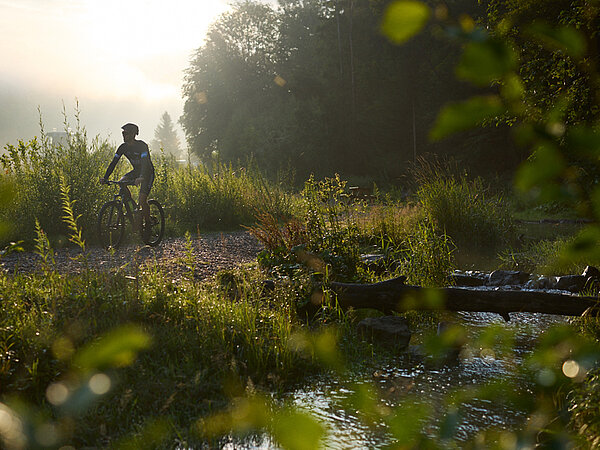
{"x":461,"y":208}
{"x":484,"y":62}
{"x":68,"y":217}
{"x":424,"y":256}
{"x":404,"y":19}
{"x":69,"y":349}
{"x":35,"y":168}
{"x":462,"y":116}
{"x":554,"y":40}
{"x":218,"y":198}
{"x":332,"y":232}
{"x":43,"y":249}
{"x":58,"y":187}
{"x":315,"y":85}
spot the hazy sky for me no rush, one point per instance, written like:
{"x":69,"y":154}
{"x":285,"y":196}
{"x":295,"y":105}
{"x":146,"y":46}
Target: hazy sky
{"x":123,"y":60}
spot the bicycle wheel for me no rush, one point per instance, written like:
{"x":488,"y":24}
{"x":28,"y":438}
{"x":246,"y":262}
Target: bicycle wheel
{"x":111,"y":224}
{"x":153,"y":230}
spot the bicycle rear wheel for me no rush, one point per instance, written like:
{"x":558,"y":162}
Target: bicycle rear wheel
{"x":111,"y":224}
{"x":153,"y":230}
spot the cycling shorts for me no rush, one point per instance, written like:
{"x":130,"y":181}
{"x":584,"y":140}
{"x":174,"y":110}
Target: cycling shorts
{"x":147,"y":183}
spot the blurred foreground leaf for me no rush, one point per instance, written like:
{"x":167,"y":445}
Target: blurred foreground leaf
{"x":404,"y":19}
{"x":564,"y":38}
{"x":118,"y":348}
{"x":456,"y":117}
{"x":486,"y":61}
{"x":407,"y":421}
{"x":542,"y":171}
{"x":295,"y":430}
{"x":585,"y":246}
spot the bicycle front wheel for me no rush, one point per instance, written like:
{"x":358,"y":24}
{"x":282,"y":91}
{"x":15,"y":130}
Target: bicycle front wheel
{"x":111,"y":224}
{"x":153,"y":229}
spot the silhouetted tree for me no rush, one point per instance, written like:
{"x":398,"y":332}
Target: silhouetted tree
{"x":165,"y":136}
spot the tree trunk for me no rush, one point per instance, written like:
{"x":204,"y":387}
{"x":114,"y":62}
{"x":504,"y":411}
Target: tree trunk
{"x":394,"y":295}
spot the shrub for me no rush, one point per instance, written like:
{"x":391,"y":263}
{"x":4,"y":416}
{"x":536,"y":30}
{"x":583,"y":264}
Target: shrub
{"x":36,"y":167}
{"x":217,"y":198}
{"x":460,"y":207}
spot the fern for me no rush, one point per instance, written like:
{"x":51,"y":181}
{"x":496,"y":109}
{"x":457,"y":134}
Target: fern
{"x":69,"y":215}
{"x":43,"y":248}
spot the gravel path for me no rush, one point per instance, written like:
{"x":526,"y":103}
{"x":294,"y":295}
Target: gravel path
{"x":211,"y":253}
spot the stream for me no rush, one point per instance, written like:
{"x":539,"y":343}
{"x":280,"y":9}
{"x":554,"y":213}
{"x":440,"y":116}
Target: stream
{"x":410,"y":376}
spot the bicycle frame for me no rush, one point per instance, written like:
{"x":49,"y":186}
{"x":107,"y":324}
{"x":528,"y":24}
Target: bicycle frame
{"x":151,"y":229}
{"x":126,"y":199}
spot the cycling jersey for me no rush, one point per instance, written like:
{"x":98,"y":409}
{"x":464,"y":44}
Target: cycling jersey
{"x":138,"y":155}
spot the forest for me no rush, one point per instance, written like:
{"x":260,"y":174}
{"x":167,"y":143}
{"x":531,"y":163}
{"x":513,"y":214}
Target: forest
{"x":316,"y":85}
{"x":473,"y":128}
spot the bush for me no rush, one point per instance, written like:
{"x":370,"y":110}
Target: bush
{"x":460,"y":207}
{"x":216,"y":198}
{"x":194,"y":197}
{"x":36,"y":167}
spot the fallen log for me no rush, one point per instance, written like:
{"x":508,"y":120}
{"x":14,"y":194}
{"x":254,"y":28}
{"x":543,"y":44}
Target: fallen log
{"x":395,"y":296}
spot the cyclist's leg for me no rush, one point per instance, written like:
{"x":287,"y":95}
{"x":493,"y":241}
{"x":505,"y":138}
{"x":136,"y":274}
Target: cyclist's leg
{"x":145,"y":188}
{"x":129,"y":177}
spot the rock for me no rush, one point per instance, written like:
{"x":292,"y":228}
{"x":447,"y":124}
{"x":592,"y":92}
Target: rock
{"x":374,"y":262}
{"x":391,"y":331}
{"x":462,"y":279}
{"x":571,"y":283}
{"x":507,"y":278}
{"x":540,"y":282}
{"x":591,"y":272}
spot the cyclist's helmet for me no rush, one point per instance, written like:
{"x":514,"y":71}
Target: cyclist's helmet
{"x":131,"y":128}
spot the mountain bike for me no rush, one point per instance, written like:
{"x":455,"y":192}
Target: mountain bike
{"x":114,"y":213}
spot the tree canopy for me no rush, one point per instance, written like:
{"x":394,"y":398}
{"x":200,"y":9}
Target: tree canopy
{"x":315,"y":84}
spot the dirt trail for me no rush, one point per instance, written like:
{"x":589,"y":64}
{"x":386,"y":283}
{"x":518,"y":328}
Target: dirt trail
{"x":211,"y":253}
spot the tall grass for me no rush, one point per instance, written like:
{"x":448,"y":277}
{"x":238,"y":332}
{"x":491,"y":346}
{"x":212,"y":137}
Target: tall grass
{"x":548,"y":257}
{"x":464,"y":210}
{"x":217,"y":197}
{"x":208,"y":342}
{"x":336,"y":232}
{"x":35,"y":169}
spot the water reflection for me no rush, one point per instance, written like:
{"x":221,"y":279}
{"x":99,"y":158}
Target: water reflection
{"x":412,"y":375}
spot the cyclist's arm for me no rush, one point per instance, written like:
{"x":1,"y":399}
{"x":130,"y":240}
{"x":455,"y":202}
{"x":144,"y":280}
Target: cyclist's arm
{"x":146,"y":163}
{"x":112,"y":165}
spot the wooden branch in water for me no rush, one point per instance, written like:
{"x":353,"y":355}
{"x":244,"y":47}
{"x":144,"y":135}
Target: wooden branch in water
{"x":394,"y":295}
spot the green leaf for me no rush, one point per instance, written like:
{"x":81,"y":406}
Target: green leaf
{"x":456,"y":117}
{"x":513,"y":88}
{"x":585,"y":246}
{"x":584,"y":141}
{"x":544,"y":167}
{"x":295,"y":430}
{"x":118,"y":348}
{"x":407,"y":421}
{"x":564,"y":38}
{"x":403,"y":19}
{"x":486,"y":61}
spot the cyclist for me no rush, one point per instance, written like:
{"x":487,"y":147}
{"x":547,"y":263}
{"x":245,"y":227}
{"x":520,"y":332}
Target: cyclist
{"x":138,"y":154}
